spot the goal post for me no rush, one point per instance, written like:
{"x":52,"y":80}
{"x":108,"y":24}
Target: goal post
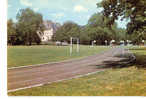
{"x":71,"y":45}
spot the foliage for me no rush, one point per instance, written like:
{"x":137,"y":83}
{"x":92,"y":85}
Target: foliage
{"x":11,"y":32}
{"x":120,"y":33}
{"x":67,"y":30}
{"x":97,"y":29}
{"x":137,"y":37}
{"x":132,"y":10}
{"x":29,"y":22}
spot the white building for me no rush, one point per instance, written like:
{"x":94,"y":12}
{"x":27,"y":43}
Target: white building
{"x":50,"y":29}
{"x":47,"y":35}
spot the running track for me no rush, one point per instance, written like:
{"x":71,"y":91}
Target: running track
{"x":27,"y":77}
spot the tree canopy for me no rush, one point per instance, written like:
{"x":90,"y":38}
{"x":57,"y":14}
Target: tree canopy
{"x":132,"y":10}
{"x":97,"y":29}
{"x":11,"y":31}
{"x":67,"y":30}
{"x":29,"y":22}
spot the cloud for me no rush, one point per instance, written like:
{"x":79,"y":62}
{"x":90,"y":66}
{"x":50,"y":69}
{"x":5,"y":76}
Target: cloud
{"x":87,"y":3}
{"x":58,"y":15}
{"x":42,"y":3}
{"x":26,"y":3}
{"x":80,"y":8}
{"x":91,"y":2}
{"x":35,"y":9}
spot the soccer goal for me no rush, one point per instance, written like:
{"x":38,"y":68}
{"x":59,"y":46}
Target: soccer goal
{"x":72,"y":39}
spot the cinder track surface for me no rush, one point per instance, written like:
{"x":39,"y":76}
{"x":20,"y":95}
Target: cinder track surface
{"x":34,"y":75}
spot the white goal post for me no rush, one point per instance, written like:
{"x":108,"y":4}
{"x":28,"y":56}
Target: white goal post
{"x":71,"y":44}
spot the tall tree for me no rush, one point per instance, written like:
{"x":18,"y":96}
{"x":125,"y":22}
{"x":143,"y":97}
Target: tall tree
{"x":29,"y":22}
{"x":132,"y":10}
{"x":98,"y":29}
{"x":11,"y":32}
{"x":67,"y":30}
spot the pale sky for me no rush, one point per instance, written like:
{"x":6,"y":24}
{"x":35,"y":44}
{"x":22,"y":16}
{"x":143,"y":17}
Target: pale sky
{"x":60,"y":11}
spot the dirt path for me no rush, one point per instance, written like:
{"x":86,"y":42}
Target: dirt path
{"x":25,"y":77}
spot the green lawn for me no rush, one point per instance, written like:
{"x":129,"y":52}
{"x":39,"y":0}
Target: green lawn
{"x":30,"y":55}
{"x":128,"y":81}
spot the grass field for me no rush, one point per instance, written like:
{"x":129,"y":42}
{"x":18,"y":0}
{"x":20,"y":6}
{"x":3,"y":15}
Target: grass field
{"x":30,"y":55}
{"x":128,"y":81}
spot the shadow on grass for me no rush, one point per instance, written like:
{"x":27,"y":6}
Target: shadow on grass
{"x":116,"y":64}
{"x":140,"y":61}
{"x":137,"y":48}
{"x":125,"y":61}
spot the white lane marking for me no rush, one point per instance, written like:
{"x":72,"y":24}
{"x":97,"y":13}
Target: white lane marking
{"x":29,"y":66}
{"x":38,"y":85}
{"x":54,"y":81}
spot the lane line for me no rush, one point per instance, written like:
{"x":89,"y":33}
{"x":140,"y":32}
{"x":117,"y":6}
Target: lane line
{"x":38,"y":85}
{"x":64,"y":79}
{"x":29,"y":66}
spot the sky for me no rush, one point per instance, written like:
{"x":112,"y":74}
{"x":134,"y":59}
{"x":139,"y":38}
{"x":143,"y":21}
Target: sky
{"x":78,"y":11}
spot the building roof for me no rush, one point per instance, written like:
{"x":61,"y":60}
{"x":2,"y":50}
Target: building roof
{"x":51,"y":25}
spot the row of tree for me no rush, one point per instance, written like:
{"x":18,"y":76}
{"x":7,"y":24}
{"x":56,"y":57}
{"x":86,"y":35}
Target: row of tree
{"x":132,"y":10}
{"x":24,"y":31}
{"x":96,"y":29}
{"x":101,"y":26}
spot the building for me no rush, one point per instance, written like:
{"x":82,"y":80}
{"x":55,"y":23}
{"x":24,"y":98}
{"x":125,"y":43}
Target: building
{"x":50,"y":29}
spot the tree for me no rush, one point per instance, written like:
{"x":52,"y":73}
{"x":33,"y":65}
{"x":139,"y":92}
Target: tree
{"x":29,"y":22}
{"x":84,"y":35}
{"x":132,"y":10}
{"x":67,"y":30}
{"x":136,"y":38}
{"x":11,"y":32}
{"x":97,"y":29}
{"x":121,"y":34}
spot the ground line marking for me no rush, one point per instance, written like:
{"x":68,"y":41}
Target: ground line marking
{"x":38,"y":85}
{"x":29,"y":66}
{"x":61,"y":79}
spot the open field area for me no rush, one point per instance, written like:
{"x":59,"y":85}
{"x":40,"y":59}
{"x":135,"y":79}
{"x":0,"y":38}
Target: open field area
{"x":22,"y":78}
{"x":30,"y":55}
{"x":127,"y":81}
{"x":76,"y":48}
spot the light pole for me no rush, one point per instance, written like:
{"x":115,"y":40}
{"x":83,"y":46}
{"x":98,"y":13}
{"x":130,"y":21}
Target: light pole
{"x":127,"y":42}
{"x":143,"y":42}
{"x":112,"y":41}
{"x":93,"y":42}
{"x":105,"y":42}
